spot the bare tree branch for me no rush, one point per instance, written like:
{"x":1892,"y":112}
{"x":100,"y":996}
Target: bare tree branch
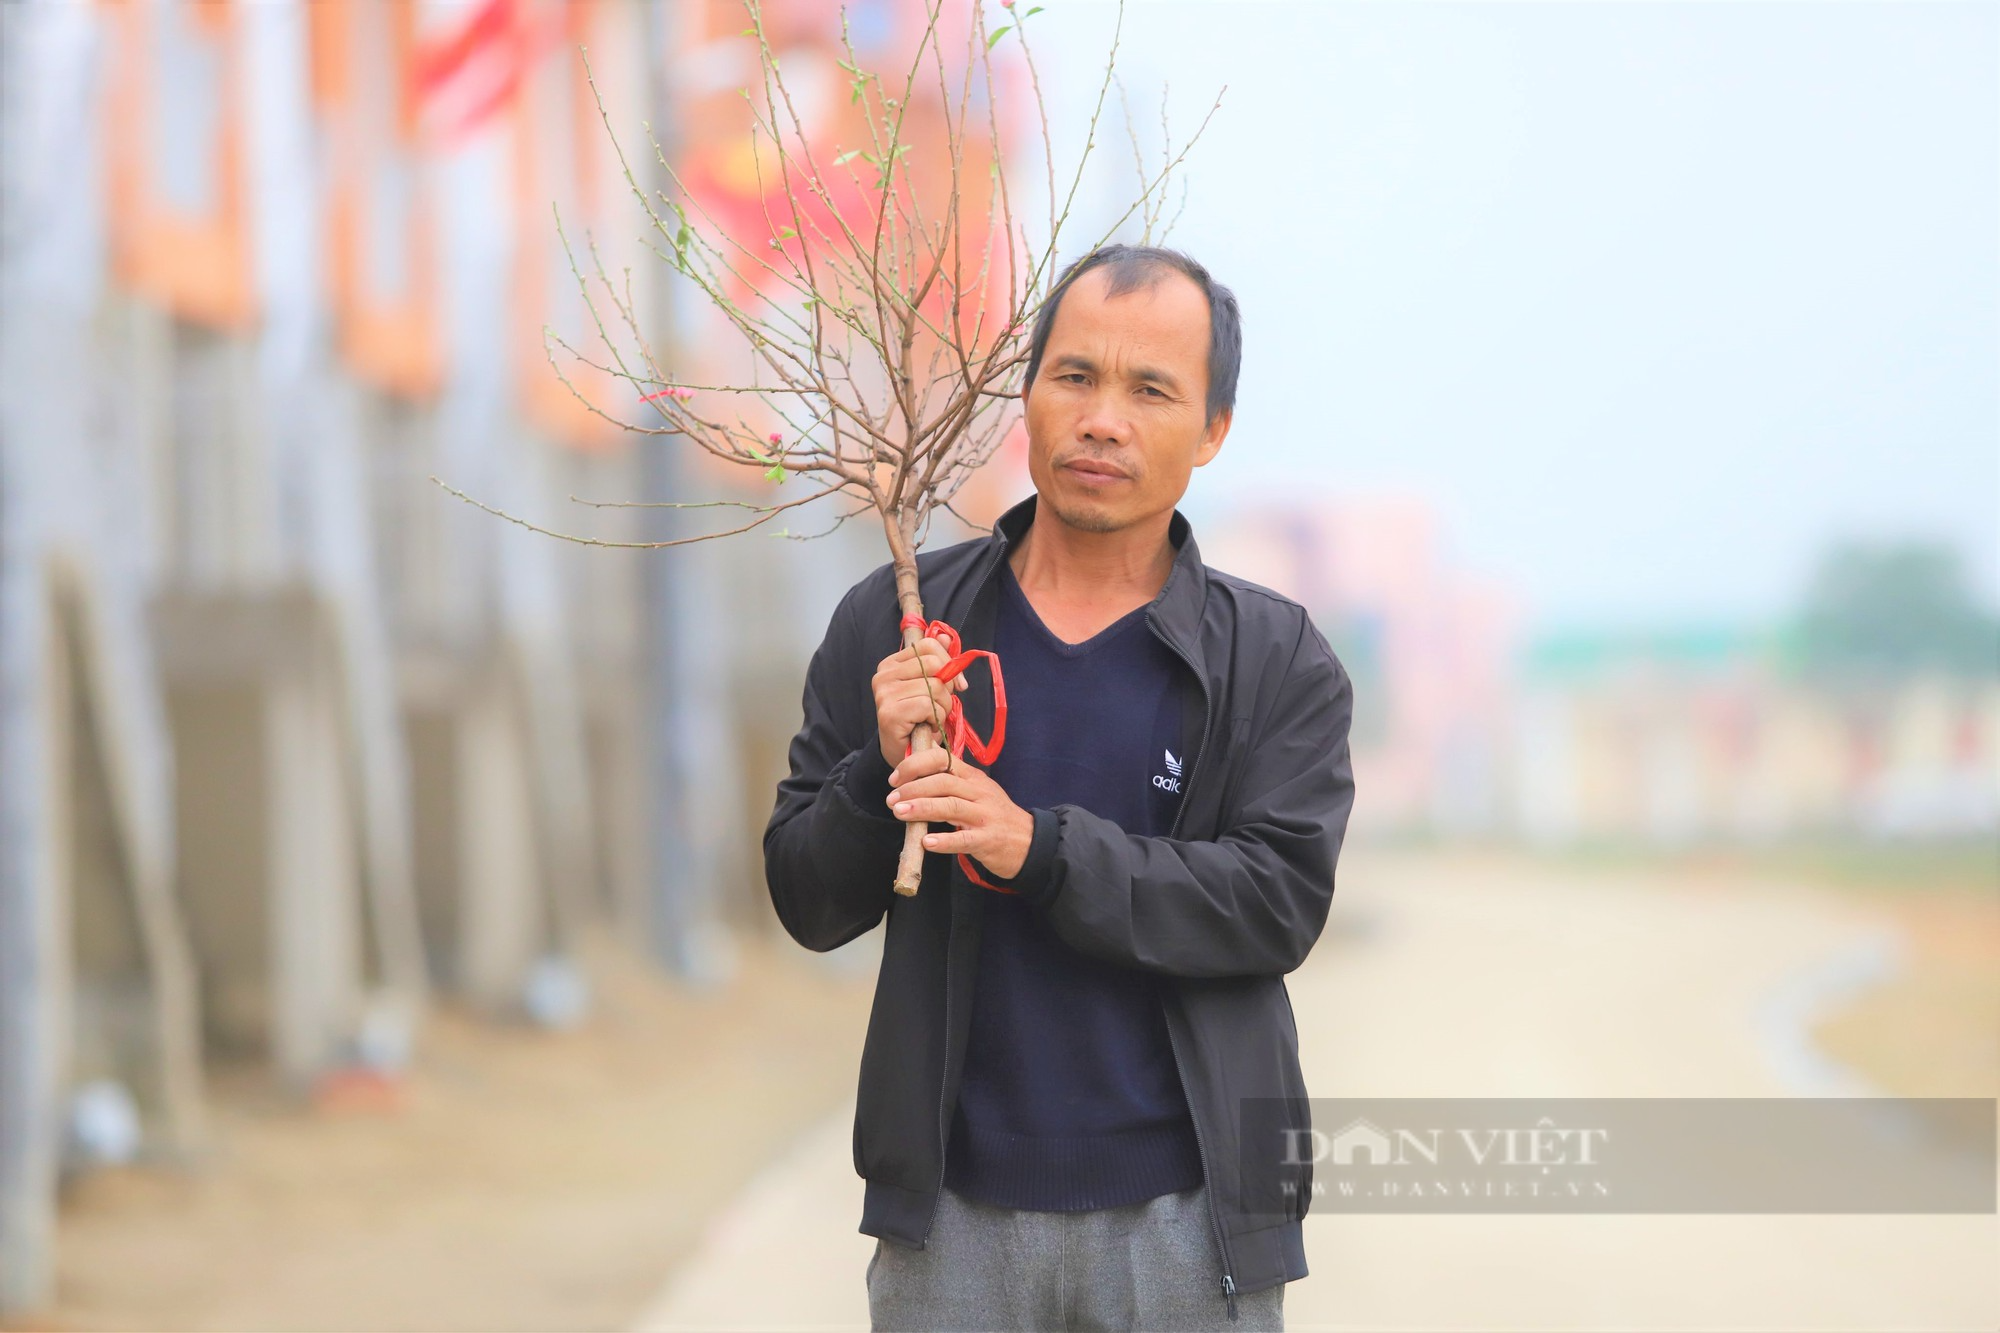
{"x":885,"y":314}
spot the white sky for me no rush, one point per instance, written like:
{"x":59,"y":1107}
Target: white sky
{"x":1652,"y":300}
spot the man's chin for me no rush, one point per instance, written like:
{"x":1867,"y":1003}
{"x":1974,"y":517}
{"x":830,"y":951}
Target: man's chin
{"x":1084,"y":517}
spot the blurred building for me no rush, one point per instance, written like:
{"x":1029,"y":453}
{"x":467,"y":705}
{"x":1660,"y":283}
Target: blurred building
{"x":290,"y":738}
{"x":1703,"y":735}
{"x":1466,"y":725}
{"x":1430,"y":648}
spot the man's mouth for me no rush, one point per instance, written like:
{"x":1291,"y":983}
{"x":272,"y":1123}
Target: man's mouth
{"x":1094,"y":470}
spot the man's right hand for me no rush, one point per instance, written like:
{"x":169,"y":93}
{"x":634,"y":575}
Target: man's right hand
{"x":908,"y":692}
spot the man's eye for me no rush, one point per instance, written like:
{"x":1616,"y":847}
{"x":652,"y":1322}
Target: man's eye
{"x":1152,"y":389}
{"x":1073,"y":377}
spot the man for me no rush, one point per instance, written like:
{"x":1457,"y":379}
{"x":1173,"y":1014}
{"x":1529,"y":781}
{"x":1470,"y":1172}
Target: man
{"x":1053,"y":1087}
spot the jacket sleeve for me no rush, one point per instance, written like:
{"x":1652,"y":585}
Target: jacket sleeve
{"x":831,"y":845}
{"x":1252,"y":901}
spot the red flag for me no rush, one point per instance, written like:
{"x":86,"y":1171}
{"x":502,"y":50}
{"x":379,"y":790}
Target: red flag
{"x":465,"y":76}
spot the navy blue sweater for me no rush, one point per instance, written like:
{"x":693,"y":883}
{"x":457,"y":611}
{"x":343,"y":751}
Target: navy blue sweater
{"x":1070,"y":1097}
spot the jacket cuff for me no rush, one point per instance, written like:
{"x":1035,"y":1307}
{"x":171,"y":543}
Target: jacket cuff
{"x":867,"y":783}
{"x":1036,"y":880}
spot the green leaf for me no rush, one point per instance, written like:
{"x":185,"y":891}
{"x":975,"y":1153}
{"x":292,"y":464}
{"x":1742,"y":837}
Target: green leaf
{"x":847,"y":157}
{"x":1031,"y":13}
{"x":998,"y":33}
{"x":776,"y":473}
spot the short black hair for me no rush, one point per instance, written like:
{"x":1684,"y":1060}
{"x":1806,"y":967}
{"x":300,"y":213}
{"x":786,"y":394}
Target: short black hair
{"x":1135,"y":266}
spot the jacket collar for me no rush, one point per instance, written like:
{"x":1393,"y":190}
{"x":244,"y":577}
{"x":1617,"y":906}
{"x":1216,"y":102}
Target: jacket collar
{"x":1175,"y":614}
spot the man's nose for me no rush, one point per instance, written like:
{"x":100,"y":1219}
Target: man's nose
{"x":1102,"y":423}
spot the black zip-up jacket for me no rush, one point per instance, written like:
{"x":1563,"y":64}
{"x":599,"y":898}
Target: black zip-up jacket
{"x":1222,"y":908}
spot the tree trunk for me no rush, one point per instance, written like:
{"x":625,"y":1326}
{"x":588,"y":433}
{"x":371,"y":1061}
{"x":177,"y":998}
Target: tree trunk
{"x":910,"y":866}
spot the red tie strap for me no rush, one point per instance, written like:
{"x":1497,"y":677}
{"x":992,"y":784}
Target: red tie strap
{"x":958,"y":732}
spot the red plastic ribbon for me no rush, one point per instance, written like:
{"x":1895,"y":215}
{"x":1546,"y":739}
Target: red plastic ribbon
{"x":958,"y":732}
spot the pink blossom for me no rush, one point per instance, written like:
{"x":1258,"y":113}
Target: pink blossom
{"x":676,"y":391}
{"x":777,"y":438}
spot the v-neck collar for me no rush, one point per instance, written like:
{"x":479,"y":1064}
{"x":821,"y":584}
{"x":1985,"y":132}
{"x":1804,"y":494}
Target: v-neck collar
{"x":1014,"y":592}
{"x":1175,"y":614}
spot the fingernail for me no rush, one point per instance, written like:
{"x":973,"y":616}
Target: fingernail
{"x":903,"y":809}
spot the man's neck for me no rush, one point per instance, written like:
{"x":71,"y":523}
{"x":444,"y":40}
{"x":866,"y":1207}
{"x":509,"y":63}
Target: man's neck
{"x":1071,"y":568}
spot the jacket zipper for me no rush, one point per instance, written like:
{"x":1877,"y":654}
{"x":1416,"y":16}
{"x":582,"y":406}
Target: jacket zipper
{"x":1201,"y":1148}
{"x":1200,"y":1143}
{"x":950,"y":929}
{"x":944,"y":1082}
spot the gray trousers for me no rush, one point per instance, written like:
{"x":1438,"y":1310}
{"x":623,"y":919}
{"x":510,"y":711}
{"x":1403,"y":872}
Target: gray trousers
{"x":1151,"y":1265}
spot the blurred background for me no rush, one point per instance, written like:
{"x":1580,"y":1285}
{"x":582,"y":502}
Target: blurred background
{"x":383,"y":934}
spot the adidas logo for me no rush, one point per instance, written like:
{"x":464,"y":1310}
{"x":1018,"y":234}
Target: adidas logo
{"x":1171,"y":780}
{"x":1173,"y":764}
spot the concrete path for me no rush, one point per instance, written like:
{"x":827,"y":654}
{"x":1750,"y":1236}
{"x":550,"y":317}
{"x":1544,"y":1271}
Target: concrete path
{"x":1457,"y":977}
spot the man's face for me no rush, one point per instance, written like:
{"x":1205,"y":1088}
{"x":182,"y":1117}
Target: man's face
{"x":1117,"y":413}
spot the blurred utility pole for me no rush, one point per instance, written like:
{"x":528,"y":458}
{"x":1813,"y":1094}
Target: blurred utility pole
{"x":27,"y":1024}
{"x":687,"y":699}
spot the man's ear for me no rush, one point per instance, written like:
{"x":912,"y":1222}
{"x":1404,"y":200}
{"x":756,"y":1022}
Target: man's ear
{"x":1211,"y":442}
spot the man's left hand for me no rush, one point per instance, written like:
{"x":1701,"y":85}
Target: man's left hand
{"x":990,"y":827}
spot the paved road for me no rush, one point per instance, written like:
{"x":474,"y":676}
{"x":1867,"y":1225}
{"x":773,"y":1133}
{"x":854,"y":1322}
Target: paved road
{"x":1461,"y":976}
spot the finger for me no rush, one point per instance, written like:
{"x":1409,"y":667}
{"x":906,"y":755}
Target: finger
{"x":942,"y":690}
{"x":932,"y":810}
{"x":934,"y":784}
{"x":956,"y":683}
{"x":925,"y":693}
{"x":950,"y":840}
{"x":921,"y":764}
{"x":899,"y":666}
{"x":904,"y":659}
